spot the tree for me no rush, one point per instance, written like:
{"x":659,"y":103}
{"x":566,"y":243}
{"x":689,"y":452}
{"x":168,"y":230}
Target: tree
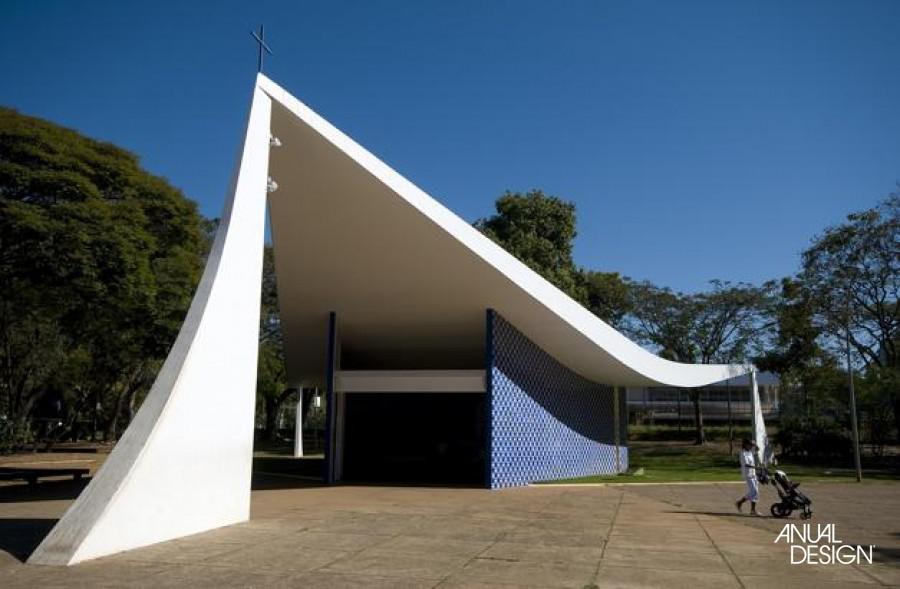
{"x":731,"y":321}
{"x":98,"y":263}
{"x":271,"y":380}
{"x":795,"y":352}
{"x":539,"y":230}
{"x":796,"y":339}
{"x":720,"y":325}
{"x":852,"y":271}
{"x":606,"y":295}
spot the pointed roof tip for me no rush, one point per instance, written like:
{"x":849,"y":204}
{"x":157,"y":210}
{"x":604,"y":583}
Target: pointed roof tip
{"x":270,"y":87}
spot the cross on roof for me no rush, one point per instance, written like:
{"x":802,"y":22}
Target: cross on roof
{"x":263,"y":48}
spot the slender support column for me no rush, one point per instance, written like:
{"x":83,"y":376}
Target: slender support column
{"x":298,"y":425}
{"x":857,"y":461}
{"x":489,"y":397}
{"x":340,"y":405}
{"x":330,"y":401}
{"x":616,"y":418}
{"x":730,"y":419}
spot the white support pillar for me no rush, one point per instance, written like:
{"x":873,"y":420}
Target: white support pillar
{"x":298,"y":425}
{"x":616,"y":425}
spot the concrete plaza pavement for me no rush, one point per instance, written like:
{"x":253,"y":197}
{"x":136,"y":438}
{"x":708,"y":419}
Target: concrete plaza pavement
{"x":543,"y":536}
{"x":863,"y":514}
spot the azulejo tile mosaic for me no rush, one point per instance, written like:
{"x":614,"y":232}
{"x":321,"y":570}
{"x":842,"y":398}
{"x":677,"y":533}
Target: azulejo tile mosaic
{"x":546,"y":422}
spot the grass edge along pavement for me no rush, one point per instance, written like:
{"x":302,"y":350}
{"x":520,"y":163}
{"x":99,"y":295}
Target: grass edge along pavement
{"x":685,"y":462}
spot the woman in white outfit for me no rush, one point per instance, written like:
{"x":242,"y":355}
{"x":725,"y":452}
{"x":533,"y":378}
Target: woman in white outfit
{"x":748,"y":470}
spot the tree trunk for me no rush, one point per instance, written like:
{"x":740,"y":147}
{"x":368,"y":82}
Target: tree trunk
{"x":700,"y":437}
{"x":271,"y":410}
{"x":95,"y":413}
{"x":307,"y":403}
{"x":125,"y":398}
{"x":112,"y":426}
{"x":132,"y":406}
{"x":897,"y":415}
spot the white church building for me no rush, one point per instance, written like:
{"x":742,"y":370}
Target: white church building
{"x":401,"y":311}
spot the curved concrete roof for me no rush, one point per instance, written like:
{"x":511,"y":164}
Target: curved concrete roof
{"x":408,"y":279}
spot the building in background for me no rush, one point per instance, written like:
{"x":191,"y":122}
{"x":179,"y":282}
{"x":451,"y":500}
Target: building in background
{"x":718,"y":401}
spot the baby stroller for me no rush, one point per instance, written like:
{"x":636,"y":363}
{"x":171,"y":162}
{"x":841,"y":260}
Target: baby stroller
{"x":791,"y":498}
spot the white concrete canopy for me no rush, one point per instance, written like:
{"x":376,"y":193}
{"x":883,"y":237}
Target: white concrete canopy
{"x":409,"y":381}
{"x":409,"y":281}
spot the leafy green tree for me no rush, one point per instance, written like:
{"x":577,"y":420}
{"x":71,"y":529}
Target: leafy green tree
{"x":723,"y":324}
{"x":98,"y":263}
{"x":796,"y":340}
{"x":852,"y":272}
{"x":807,"y":371}
{"x":539,"y":230}
{"x":271,"y":382}
{"x":606,"y":295}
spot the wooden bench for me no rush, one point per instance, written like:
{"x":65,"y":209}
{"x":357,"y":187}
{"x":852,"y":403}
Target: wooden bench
{"x":32,"y":475}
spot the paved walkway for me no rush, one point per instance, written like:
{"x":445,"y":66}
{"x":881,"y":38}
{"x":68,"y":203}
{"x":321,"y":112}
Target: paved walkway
{"x":863,"y":514}
{"x":429,"y":537}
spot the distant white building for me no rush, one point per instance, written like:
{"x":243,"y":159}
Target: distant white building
{"x":653,"y":404}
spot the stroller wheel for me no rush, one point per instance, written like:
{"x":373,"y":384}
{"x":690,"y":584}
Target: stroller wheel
{"x":779,"y":510}
{"x":805,"y":514}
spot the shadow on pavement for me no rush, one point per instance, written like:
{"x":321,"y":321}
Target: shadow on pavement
{"x":723,"y":514}
{"x":286,"y":472}
{"x":887,"y":555}
{"x":43,"y":491}
{"x":19,"y":537}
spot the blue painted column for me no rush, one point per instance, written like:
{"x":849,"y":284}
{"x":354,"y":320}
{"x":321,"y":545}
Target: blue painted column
{"x":489,"y":394}
{"x":330,"y":399}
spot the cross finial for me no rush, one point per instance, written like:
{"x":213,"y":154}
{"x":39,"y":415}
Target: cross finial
{"x":263,"y":48}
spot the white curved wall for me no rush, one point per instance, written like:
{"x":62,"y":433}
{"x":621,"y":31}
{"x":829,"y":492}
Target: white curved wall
{"x":183,"y":466}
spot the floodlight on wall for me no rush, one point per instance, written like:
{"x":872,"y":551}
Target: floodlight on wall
{"x":274,"y":141}
{"x":271,"y":185}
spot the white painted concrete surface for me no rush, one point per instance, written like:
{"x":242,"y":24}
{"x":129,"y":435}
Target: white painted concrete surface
{"x":298,"y":425}
{"x":407,"y":275}
{"x":410,"y":381}
{"x":183,"y":466}
{"x":759,"y":423}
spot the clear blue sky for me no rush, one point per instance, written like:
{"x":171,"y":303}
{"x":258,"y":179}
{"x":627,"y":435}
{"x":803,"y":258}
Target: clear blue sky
{"x":699,"y":140}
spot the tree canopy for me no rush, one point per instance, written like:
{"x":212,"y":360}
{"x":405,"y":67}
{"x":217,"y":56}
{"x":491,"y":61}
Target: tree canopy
{"x":98,"y":262}
{"x":538,"y":229}
{"x":852,"y":271}
{"x":851,"y":274}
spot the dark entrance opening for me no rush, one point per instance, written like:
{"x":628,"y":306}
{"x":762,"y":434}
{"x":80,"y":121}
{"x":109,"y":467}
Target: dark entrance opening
{"x":434,"y":438}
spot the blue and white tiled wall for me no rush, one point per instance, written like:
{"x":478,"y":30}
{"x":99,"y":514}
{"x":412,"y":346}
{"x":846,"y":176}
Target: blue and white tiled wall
{"x":546,"y":422}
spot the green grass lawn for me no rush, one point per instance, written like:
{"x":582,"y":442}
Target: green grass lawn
{"x":666,"y":462}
